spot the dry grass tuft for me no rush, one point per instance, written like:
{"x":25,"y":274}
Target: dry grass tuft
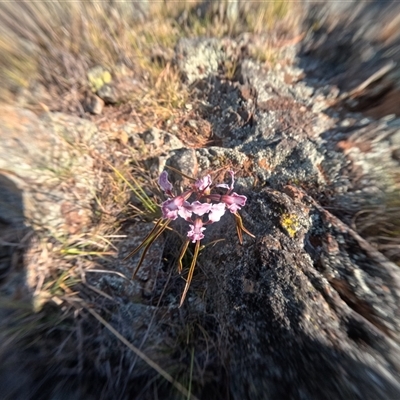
{"x":380,"y":225}
{"x":48,"y":48}
{"x":55,"y":44}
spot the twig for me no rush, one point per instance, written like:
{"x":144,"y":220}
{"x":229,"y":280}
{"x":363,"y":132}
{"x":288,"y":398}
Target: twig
{"x":140,"y":354}
{"x":104,"y":271}
{"x":374,"y":77}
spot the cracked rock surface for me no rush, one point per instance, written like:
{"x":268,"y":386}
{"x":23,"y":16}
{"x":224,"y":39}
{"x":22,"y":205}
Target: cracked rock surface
{"x":308,"y":312}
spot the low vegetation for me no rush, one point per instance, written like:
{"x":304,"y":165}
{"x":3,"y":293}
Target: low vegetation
{"x":64,"y":325}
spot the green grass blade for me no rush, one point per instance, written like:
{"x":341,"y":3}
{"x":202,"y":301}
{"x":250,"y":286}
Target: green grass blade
{"x":138,"y":191}
{"x":190,"y":375}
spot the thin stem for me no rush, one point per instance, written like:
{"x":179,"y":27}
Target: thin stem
{"x":156,"y":236}
{"x":211,"y":243}
{"x":180,"y":173}
{"x":239,"y":233}
{"x":240,"y":227}
{"x":133,"y":252}
{"x":191,"y":270}
{"x":181,"y":255}
{"x":191,"y":375}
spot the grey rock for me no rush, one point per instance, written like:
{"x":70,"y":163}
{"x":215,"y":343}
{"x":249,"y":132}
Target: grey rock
{"x":185,"y":161}
{"x":356,"y":47}
{"x":199,"y":58}
{"x":281,"y":128}
{"x":93,"y":104}
{"x":108,"y":94}
{"x":172,"y":142}
{"x":98,"y":76}
{"x":72,"y":129}
{"x":42,"y":158}
{"x":282,"y":316}
{"x":161,"y":141}
{"x":304,"y":294}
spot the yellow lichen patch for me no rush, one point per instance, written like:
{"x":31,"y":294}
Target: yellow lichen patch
{"x":98,"y":77}
{"x":290,"y":223}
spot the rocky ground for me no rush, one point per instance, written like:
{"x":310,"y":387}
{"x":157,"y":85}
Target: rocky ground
{"x":306,"y":310}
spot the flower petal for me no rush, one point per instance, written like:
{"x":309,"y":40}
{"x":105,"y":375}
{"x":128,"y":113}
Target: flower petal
{"x":185,"y":211}
{"x":217,"y":211}
{"x":225,"y":185}
{"x":200,"y":208}
{"x":172,"y":215}
{"x":196,"y":231}
{"x":164,"y":183}
{"x":203,"y":183}
{"x":171,"y":207}
{"x":234,"y":201}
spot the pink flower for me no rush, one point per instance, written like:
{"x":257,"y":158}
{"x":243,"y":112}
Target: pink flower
{"x":196,"y":230}
{"x":229,"y":187}
{"x":203,"y":183}
{"x":213,"y":207}
{"x":178,"y":206}
{"x":234,"y":201}
{"x":170,"y":208}
{"x":185,"y":211}
{"x":217,"y":211}
{"x":165,"y":184}
{"x":200,"y":208}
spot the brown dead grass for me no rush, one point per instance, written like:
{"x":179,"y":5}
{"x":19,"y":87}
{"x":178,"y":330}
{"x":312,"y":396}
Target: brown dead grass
{"x":380,"y":225}
{"x":55,"y":45}
{"x":51,"y":46}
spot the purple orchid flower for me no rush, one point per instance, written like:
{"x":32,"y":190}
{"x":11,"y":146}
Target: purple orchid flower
{"x":203,"y":183}
{"x":234,"y":201}
{"x":200,"y":208}
{"x":170,"y":208}
{"x":185,"y":211}
{"x":177,"y":206}
{"x":214,"y":206}
{"x":165,"y":184}
{"x":216,"y":212}
{"x":196,"y":230}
